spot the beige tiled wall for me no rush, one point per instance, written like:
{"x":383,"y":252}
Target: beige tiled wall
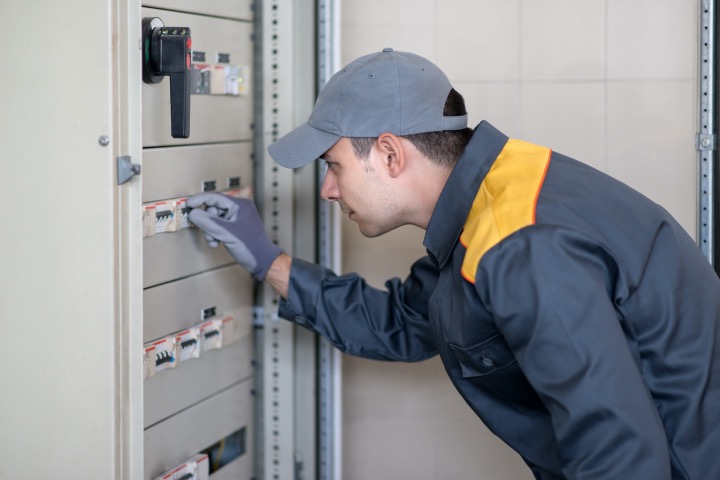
{"x":610,"y":82}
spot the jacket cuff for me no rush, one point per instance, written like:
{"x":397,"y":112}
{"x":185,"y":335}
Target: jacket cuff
{"x":303,"y":290}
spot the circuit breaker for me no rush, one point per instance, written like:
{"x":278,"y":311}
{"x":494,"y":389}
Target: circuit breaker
{"x":197,"y":128}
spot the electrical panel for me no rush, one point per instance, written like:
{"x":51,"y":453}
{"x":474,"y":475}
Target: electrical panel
{"x":170,"y":380}
{"x":197,"y":128}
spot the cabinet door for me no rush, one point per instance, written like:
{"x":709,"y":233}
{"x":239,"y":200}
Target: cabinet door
{"x":221,"y":55}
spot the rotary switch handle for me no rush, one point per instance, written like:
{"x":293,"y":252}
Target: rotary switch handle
{"x":166,"y":52}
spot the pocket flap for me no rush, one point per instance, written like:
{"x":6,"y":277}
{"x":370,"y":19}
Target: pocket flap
{"x":483,"y":358}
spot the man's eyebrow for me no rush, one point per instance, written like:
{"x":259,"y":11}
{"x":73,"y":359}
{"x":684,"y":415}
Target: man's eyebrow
{"x":326,"y":156}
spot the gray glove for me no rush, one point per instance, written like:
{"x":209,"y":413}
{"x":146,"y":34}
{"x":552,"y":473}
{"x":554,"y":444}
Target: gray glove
{"x":236,"y":223}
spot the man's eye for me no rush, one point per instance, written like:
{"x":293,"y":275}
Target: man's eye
{"x":329,"y":165}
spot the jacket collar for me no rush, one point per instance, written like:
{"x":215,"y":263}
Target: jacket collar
{"x":453,"y":206}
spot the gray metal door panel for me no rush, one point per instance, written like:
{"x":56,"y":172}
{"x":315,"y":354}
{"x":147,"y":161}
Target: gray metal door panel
{"x":174,"y":306}
{"x":182,"y":171}
{"x":173,"y":390}
{"x":213,"y":118}
{"x":178,"y":438}
{"x":238,"y":9}
{"x":170,"y":256}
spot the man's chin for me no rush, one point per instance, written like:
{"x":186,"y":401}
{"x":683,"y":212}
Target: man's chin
{"x":372,"y":231}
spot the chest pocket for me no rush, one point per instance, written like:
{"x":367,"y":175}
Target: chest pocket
{"x":492,"y":366}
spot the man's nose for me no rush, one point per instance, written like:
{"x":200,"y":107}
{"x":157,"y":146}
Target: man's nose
{"x":328,"y":191}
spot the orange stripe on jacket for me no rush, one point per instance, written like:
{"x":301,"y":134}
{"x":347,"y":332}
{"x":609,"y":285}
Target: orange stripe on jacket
{"x":506,"y":201}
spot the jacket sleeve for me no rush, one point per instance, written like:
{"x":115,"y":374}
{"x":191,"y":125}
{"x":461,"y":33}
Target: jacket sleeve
{"x":552,"y":296}
{"x":361,"y":320}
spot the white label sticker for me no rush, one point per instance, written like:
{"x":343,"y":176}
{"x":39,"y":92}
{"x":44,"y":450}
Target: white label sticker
{"x":187,"y":345}
{"x":211,"y":335}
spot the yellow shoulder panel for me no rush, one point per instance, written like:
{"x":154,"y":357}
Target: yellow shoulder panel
{"x":505,"y":202}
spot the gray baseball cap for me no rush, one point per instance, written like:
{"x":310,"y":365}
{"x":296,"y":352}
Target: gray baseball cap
{"x":397,"y":92}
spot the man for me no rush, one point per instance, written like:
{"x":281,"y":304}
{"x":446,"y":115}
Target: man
{"x":575,"y":316}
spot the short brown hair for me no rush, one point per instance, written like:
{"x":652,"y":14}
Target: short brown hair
{"x":443,"y":148}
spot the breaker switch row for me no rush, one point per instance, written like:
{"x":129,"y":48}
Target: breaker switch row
{"x":172,"y":215}
{"x":173,"y":350}
{"x":232,"y":80}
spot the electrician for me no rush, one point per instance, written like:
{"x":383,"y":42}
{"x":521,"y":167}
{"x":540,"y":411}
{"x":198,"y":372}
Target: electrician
{"x":575,"y":316}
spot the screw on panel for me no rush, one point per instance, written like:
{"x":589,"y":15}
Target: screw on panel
{"x":104,"y":140}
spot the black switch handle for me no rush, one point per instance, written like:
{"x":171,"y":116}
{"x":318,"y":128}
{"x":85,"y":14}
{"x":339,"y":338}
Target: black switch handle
{"x":166,"y":52}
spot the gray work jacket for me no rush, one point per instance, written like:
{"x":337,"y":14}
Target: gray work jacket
{"x":575,"y":316}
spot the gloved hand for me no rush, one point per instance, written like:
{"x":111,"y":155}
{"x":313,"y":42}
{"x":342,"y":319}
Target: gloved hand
{"x":236,"y":223}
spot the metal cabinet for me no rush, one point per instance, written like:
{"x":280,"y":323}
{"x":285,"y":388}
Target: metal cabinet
{"x":95,"y":144}
{"x":204,"y":397}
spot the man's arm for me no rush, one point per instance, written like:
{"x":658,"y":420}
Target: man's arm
{"x":361,"y":320}
{"x":278,"y":276}
{"x":353,"y":316}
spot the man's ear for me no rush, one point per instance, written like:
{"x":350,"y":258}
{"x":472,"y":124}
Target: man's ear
{"x":394,"y":156}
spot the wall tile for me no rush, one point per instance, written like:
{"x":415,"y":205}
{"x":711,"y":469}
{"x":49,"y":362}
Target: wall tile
{"x":362,"y":40}
{"x":651,"y":143}
{"x":390,"y":14}
{"x":456,"y":441}
{"x":498,"y":103}
{"x":562,"y":39}
{"x":652,"y":39}
{"x":478,"y":39}
{"x":384,"y":257}
{"x":348,"y":15}
{"x":567,"y":117}
{"x":388,"y":448}
{"x":412,"y":387}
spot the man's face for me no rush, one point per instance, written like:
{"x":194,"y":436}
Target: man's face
{"x":361,"y":187}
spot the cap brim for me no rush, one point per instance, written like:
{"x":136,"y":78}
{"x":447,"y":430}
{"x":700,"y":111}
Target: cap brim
{"x":301,"y":146}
